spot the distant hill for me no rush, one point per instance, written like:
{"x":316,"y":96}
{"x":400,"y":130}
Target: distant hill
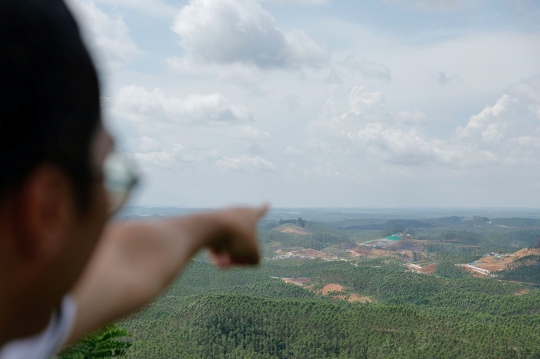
{"x":516,"y":222}
{"x":291,"y":228}
{"x":526,"y":269}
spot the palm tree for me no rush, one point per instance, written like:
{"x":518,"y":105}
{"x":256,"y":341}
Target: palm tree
{"x":107,"y":342}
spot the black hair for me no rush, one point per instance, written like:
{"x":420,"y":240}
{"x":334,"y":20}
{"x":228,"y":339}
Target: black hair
{"x":49,"y":94}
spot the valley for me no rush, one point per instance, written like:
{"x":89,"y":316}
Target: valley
{"x":362,"y":288}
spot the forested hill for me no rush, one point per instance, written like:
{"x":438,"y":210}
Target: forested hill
{"x":249,"y":314}
{"x":345,"y":289}
{"x":251,"y":327}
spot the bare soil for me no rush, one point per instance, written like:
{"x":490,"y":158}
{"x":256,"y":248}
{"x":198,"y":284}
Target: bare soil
{"x":312,"y":253}
{"x":371,"y":253}
{"x":333,"y":287}
{"x":359,"y":299}
{"x":495,"y":264}
{"x":297,"y":281}
{"x":429,"y":269}
{"x":291,"y":228}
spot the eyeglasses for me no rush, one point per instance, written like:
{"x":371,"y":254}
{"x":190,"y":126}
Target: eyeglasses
{"x":120,"y":176}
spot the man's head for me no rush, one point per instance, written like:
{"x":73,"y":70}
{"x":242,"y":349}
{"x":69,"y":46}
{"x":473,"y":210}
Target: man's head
{"x":52,"y":201}
{"x":49,"y":103}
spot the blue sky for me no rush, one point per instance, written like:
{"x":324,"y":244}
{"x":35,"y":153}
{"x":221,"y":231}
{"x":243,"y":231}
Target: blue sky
{"x":382,"y":103}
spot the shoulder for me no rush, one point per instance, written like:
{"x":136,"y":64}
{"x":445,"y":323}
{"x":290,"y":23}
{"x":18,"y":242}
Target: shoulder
{"x":49,"y":341}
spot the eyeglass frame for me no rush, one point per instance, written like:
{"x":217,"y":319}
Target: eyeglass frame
{"x":128,"y":186}
{"x":85,"y":171}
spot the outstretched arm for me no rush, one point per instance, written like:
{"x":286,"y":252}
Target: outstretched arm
{"x":135,"y":261}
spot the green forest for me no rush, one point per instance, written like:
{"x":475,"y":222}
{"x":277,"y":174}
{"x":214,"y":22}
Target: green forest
{"x":253,"y":313}
{"x":207,"y":314}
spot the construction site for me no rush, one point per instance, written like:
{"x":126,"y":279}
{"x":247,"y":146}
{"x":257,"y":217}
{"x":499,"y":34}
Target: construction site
{"x":422,"y":268}
{"x":406,"y":248}
{"x":396,"y":246}
{"x":493,"y":262}
{"x":336,"y":291}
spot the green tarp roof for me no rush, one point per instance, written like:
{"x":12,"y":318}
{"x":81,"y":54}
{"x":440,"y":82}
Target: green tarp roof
{"x":393,"y":238}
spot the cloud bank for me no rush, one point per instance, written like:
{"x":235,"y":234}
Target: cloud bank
{"x":504,"y":133}
{"x":107,"y":36}
{"x":242,"y":32}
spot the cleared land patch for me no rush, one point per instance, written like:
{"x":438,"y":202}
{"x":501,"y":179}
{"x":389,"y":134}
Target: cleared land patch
{"x":522,"y":292}
{"x":500,"y":262}
{"x":291,"y":228}
{"x":296,"y":281}
{"x":332,"y":287}
{"x":427,"y":269}
{"x":357,"y":298}
{"x":311,"y":252}
{"x":351,"y":298}
{"x":393,"y":246}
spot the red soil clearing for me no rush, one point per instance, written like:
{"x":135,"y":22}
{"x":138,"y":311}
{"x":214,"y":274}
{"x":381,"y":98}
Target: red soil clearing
{"x":331,"y":288}
{"x":429,"y":269}
{"x":495,"y":264}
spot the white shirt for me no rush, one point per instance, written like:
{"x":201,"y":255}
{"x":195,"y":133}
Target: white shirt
{"x":45,"y":344}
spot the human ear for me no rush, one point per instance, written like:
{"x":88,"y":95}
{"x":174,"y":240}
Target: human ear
{"x":45,"y":213}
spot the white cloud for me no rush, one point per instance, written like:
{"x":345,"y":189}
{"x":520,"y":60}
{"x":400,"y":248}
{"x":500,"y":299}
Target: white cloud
{"x":367,"y":69}
{"x":411,"y":117}
{"x":430,"y":4}
{"x":141,"y":105}
{"x":403,"y":147}
{"x":399,"y":110}
{"x":157,"y":159}
{"x":245,"y":164}
{"x":509,"y":128}
{"x":489,"y":124}
{"x":507,"y":132}
{"x":148,"y":144}
{"x":360,"y":99}
{"x":108,"y":37}
{"x":177,"y":157}
{"x":297,"y":2}
{"x":151,"y":7}
{"x":173,"y":132}
{"x":243,"y":32}
{"x":237,"y":72}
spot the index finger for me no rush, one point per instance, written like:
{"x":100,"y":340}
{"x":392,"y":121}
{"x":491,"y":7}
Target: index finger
{"x":263,"y":210}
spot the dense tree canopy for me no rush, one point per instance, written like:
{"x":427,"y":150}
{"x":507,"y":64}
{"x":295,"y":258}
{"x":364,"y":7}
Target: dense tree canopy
{"x":253,"y":313}
{"x":247,"y":314}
